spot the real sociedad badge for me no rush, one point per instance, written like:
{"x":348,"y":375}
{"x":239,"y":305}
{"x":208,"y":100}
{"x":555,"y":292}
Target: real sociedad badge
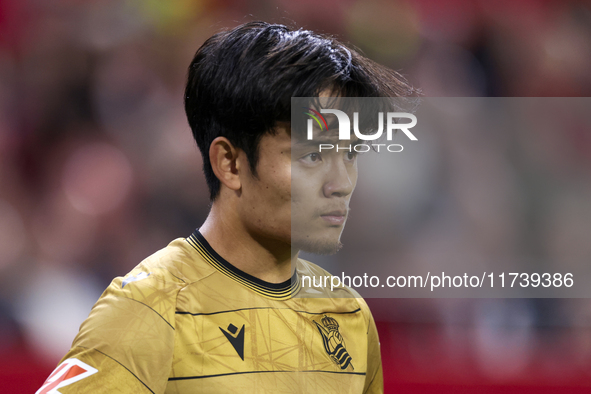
{"x":333,"y":341}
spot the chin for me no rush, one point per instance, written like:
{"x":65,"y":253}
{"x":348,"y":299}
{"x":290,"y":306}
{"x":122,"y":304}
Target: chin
{"x":317,"y":245}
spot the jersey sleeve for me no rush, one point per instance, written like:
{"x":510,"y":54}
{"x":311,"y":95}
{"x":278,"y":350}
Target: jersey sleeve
{"x":126,"y":344}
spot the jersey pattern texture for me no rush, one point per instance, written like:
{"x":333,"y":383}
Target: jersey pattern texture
{"x":187,"y":321}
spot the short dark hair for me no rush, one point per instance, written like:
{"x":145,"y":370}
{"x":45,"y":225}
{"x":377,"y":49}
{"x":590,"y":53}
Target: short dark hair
{"x":241,"y":81}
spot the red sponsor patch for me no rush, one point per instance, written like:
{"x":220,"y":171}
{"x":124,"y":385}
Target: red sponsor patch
{"x":68,"y":372}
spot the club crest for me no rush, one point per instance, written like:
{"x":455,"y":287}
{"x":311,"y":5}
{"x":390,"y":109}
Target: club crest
{"x":333,"y":341}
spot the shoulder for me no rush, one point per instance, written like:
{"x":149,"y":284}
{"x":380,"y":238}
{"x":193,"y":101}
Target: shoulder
{"x":179,"y":262}
{"x":168,"y":270}
{"x":153,"y":285}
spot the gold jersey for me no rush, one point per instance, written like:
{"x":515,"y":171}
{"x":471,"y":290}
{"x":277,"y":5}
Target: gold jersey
{"x":187,"y":321}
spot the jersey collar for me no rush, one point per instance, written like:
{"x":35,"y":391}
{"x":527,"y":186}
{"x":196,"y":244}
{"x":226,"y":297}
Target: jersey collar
{"x":277,"y":291}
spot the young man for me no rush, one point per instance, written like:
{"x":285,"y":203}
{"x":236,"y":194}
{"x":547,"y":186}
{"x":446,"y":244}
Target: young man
{"x":224,"y":309}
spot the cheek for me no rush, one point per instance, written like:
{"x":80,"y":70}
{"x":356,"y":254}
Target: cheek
{"x":279,"y":187}
{"x":306,"y":194}
{"x":272,"y":194}
{"x":353,"y":175}
{"x":301,"y":186}
{"x":275,"y":203}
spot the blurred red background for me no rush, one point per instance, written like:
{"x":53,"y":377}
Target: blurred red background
{"x":98,"y":168}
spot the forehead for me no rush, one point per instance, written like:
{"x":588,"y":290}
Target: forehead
{"x":330,"y":136}
{"x":324,"y":114}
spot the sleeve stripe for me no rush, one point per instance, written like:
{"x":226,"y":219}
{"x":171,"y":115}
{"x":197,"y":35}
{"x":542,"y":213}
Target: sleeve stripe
{"x":266,"y":307}
{"x":251,"y":372}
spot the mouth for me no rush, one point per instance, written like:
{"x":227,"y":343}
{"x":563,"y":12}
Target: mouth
{"x":335,"y":218}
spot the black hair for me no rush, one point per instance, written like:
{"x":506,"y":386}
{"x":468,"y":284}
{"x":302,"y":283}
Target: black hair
{"x":240,"y":83}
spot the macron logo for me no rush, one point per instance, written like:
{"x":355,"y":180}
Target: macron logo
{"x":236,"y":340}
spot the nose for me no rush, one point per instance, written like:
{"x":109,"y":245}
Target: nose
{"x":340,"y":180}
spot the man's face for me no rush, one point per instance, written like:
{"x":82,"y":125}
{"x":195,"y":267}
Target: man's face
{"x":300,"y":196}
{"x":321,"y":188}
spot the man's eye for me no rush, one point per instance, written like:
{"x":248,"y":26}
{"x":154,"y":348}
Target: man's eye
{"x":351,"y":156}
{"x":312,"y":157}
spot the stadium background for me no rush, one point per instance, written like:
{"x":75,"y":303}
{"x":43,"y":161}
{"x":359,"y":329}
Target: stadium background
{"x":98,"y":170}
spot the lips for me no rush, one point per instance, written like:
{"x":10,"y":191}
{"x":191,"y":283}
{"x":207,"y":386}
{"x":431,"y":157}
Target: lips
{"x":335,"y":218}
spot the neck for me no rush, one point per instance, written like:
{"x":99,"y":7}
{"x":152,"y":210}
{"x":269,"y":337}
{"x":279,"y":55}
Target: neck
{"x":264,"y":258}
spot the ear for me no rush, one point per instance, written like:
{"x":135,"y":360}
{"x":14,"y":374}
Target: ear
{"x":224,"y":162}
